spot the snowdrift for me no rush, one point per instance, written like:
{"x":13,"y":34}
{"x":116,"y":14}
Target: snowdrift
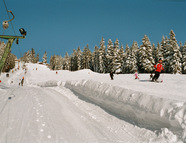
{"x":51,"y":83}
{"x":144,"y":110}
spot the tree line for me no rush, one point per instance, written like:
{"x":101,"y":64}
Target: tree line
{"x":115,"y":58}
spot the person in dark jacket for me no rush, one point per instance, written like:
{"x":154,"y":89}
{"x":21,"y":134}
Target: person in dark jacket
{"x":22,"y":81}
{"x":111,"y":75}
{"x":158,"y":68}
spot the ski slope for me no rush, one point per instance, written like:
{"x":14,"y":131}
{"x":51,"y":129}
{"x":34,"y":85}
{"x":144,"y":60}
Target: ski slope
{"x":87,"y":107}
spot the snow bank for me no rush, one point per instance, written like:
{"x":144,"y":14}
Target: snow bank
{"x":138,"y":108}
{"x":51,"y":83}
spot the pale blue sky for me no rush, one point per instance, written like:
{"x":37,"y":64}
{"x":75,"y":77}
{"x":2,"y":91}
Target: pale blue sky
{"x":59,"y":26}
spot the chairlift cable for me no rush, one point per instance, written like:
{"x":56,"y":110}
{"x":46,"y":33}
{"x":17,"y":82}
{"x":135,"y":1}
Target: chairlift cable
{"x":12,"y":26}
{"x":9,"y":16}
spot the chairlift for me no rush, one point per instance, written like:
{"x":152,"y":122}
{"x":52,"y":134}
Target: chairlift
{"x":5,"y":23}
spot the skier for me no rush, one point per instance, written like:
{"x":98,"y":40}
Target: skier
{"x":136,"y":75}
{"x":22,"y":81}
{"x":159,"y":68}
{"x":111,"y":75}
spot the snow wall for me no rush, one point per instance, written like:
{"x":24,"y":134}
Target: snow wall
{"x":143,"y":110}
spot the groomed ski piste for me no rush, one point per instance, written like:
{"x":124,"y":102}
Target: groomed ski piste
{"x":87,"y":107}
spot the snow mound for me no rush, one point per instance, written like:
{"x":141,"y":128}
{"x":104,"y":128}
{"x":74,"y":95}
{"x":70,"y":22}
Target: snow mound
{"x":51,"y":83}
{"x":144,"y":110}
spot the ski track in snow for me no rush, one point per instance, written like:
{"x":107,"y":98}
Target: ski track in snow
{"x":40,"y":113}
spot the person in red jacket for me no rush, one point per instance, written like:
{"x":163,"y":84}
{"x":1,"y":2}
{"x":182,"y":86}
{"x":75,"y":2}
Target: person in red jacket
{"x":159,"y":68}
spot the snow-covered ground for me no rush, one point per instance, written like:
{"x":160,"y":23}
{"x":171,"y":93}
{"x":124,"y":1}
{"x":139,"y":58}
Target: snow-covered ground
{"x":87,"y":107}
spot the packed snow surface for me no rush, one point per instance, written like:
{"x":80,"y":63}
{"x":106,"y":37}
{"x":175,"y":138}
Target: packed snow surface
{"x":87,"y":107}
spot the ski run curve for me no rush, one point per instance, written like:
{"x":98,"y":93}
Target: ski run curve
{"x":87,"y":107}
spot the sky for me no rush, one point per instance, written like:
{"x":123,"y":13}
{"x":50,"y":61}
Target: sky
{"x":59,"y":26}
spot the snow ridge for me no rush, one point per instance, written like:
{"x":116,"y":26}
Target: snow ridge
{"x":138,"y":108}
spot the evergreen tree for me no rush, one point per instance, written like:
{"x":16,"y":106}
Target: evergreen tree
{"x":74,"y":61}
{"x":116,"y":60}
{"x":175,"y":55}
{"x":133,"y":57}
{"x":52,"y":62}
{"x":58,"y":63}
{"x":181,"y":47}
{"x":26,"y":57}
{"x":110,"y":56}
{"x":32,"y":56}
{"x":86,"y":58}
{"x":159,"y":53}
{"x":79,"y":53}
{"x":95,"y":59}
{"x":146,"y":61}
{"x":45,"y":58}
{"x":163,"y":48}
{"x":102,"y":57}
{"x":55,"y":62}
{"x":126,"y":64}
{"x":37,"y":58}
{"x":135,"y":50}
{"x":154,"y":53}
{"x":121,"y":58}
{"x":66,"y":62}
{"x":184,"y":59}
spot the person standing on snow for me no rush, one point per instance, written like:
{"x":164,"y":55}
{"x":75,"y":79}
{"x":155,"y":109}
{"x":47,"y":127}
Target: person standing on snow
{"x":136,"y":75}
{"x":111,"y":75}
{"x":159,"y":68}
{"x":22,"y":81}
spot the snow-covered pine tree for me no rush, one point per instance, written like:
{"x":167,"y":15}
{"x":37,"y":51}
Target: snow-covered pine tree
{"x":37,"y":58}
{"x":167,"y":55}
{"x":110,"y":56}
{"x":135,"y":47}
{"x":58,"y":63}
{"x":102,"y":57}
{"x":66,"y":62}
{"x":121,"y":55}
{"x":86,"y":58}
{"x":32,"y":56}
{"x":163,"y":52}
{"x":184,"y":59}
{"x":52,"y":62}
{"x":146,"y":61}
{"x":154,"y":53}
{"x":117,"y":63}
{"x":26,"y":57}
{"x":181,"y":46}
{"x":159,"y":53}
{"x":175,"y":55}
{"x":126,"y":63}
{"x":133,"y":57}
{"x":45,"y":58}
{"x":95,"y":59}
{"x":74,"y":61}
{"x":79,"y":53}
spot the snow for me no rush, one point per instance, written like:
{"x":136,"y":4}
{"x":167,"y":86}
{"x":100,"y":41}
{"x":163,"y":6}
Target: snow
{"x":83,"y":106}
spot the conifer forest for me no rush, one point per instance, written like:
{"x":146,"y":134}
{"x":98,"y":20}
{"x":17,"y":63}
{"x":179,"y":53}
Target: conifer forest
{"x":113,"y":57}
